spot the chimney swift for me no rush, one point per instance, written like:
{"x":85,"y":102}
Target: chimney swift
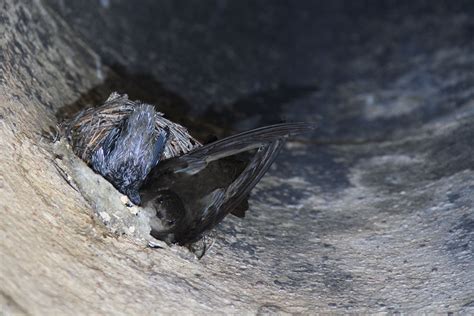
{"x":158,"y":164}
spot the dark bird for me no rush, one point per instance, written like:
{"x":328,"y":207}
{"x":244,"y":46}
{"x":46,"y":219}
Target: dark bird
{"x":157,"y":164}
{"x":194,"y":192}
{"x":122,"y":140}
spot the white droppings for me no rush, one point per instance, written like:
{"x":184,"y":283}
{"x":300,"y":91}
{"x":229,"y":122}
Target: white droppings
{"x":124,"y":199}
{"x":105,"y":217}
{"x":134,"y":210}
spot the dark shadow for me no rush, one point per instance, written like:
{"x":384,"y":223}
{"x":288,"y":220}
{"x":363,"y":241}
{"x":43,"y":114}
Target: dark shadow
{"x":141,"y":87}
{"x":257,"y":109}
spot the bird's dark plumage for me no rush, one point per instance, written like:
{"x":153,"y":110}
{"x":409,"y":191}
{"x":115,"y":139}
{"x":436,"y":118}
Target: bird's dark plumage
{"x":130,"y":150}
{"x":156,"y":163}
{"x":87,"y":130}
{"x":209,"y":183}
{"x":122,"y":140}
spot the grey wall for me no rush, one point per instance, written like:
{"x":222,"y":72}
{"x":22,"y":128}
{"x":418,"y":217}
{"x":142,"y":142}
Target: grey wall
{"x":373,"y":212}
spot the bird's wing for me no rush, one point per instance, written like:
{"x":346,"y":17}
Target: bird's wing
{"x":99,"y":158}
{"x":198,"y":159}
{"x":219,"y":203}
{"x":210,"y":209}
{"x":255,"y":170}
{"x":248,"y":140}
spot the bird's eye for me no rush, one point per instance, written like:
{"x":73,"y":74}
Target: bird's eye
{"x":171,"y":222}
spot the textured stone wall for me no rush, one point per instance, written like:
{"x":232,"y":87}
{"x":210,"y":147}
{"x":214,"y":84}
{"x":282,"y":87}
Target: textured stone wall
{"x":371,"y":213}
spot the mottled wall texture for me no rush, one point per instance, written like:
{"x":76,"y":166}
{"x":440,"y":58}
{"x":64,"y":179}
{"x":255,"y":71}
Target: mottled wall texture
{"x":372,"y":212}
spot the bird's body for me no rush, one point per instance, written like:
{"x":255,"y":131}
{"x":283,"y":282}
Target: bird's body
{"x":125,"y":157}
{"x":158,"y":164}
{"x":88,"y":129}
{"x":122,"y":140}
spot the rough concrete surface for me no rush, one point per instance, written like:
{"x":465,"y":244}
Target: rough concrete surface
{"x":373,"y":212}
